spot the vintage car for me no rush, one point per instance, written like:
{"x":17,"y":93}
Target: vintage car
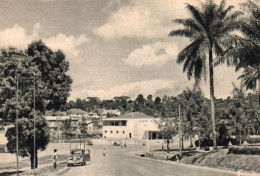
{"x":78,"y":156}
{"x":89,"y":142}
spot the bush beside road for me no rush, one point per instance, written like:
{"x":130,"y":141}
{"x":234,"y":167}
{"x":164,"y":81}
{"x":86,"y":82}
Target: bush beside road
{"x":215,"y":159}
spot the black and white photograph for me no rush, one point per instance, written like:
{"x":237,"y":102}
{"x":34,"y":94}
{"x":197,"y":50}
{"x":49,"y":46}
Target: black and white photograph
{"x":130,"y":87}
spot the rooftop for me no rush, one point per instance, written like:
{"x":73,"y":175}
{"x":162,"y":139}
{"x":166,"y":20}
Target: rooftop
{"x":133,"y":115}
{"x":76,"y":111}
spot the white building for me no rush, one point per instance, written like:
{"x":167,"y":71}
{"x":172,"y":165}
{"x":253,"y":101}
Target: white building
{"x":133,"y":125}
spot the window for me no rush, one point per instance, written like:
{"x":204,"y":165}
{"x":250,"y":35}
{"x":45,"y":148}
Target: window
{"x":116,"y":123}
{"x":123,"y":132}
{"x":105,"y":131}
{"x":113,"y":123}
{"x":111,"y":131}
{"x":117,"y":132}
{"x":124,"y":123}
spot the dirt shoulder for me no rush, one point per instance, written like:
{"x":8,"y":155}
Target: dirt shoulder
{"x":215,"y":159}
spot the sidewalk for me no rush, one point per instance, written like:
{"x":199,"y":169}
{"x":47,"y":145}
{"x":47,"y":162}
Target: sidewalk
{"x":28,"y":169}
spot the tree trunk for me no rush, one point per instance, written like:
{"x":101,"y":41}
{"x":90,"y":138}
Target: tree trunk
{"x":168,"y":143}
{"x":211,"y":83}
{"x":240,"y":142}
{"x":191,"y":142}
{"x":199,"y":141}
{"x":32,"y":160}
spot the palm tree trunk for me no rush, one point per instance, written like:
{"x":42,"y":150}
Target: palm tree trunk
{"x":211,"y":83}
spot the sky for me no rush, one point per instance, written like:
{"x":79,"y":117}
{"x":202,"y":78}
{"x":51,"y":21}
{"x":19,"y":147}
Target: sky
{"x":114,"y":47}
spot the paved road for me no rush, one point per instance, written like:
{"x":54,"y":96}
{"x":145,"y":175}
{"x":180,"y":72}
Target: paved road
{"x":121,"y":162}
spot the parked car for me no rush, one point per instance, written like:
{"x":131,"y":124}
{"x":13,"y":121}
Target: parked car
{"x":116,"y":143}
{"x":89,"y":142}
{"x":78,"y":156}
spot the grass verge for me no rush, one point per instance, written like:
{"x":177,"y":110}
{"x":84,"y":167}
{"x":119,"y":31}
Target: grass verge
{"x":216,"y":159}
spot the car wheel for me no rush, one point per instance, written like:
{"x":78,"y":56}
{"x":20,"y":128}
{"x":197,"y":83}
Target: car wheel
{"x":68,"y":165}
{"x":82,"y":164}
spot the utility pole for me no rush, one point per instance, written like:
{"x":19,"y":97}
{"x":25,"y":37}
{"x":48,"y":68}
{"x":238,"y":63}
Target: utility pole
{"x":180,"y":132}
{"x":148,"y":148}
{"x":17,"y":159}
{"x":34,"y":122}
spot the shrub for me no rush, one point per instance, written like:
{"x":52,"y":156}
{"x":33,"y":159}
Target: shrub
{"x":206,"y":148}
{"x":253,"y":140}
{"x":245,"y":150}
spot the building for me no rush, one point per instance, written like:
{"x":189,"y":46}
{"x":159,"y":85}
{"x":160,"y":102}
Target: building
{"x":56,"y":124}
{"x":93,"y":115}
{"x":78,"y":113}
{"x":133,"y":125}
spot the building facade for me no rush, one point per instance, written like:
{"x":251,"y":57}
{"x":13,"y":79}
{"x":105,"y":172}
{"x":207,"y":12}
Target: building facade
{"x":132,"y":126}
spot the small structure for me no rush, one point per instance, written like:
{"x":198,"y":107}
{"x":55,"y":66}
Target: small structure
{"x":79,"y":113}
{"x":110,"y":113}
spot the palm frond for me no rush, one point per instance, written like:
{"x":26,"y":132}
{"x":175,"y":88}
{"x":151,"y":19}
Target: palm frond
{"x":189,"y":50}
{"x":181,"y":32}
{"x":249,"y":77}
{"x":189,"y":24}
{"x":196,"y":14}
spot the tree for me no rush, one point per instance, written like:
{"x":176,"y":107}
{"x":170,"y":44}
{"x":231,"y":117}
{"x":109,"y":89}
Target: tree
{"x":244,"y":52}
{"x":53,"y":68}
{"x":45,"y":69}
{"x":168,"y":129}
{"x":157,"y":102}
{"x":206,"y":28}
{"x":26,"y":133}
{"x":251,"y":77}
{"x":66,"y":128}
{"x":191,"y":102}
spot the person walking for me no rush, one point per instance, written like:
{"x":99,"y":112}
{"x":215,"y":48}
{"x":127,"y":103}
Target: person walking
{"x":55,"y":158}
{"x":104,"y":152}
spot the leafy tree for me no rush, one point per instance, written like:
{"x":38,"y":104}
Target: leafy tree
{"x":66,"y":128}
{"x":53,"y":67}
{"x":26,"y":133}
{"x":52,"y":85}
{"x":157,"y":102}
{"x":168,"y":129}
{"x":191,"y":102}
{"x":206,"y":28}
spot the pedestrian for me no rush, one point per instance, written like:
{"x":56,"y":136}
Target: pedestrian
{"x":104,"y":152}
{"x":162,"y":146}
{"x":55,"y":158}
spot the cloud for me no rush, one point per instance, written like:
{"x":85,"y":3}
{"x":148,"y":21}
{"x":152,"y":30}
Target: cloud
{"x":68,"y":44}
{"x":142,"y":19}
{"x":131,"y":89}
{"x":17,"y":37}
{"x":154,"y":54}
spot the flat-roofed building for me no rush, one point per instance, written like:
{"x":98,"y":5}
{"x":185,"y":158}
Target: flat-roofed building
{"x":133,"y":125}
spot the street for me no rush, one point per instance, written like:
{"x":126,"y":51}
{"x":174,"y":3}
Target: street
{"x":122,"y":161}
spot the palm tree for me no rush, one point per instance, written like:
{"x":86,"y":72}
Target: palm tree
{"x":251,"y":77}
{"x":206,"y":28}
{"x":245,"y":52}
